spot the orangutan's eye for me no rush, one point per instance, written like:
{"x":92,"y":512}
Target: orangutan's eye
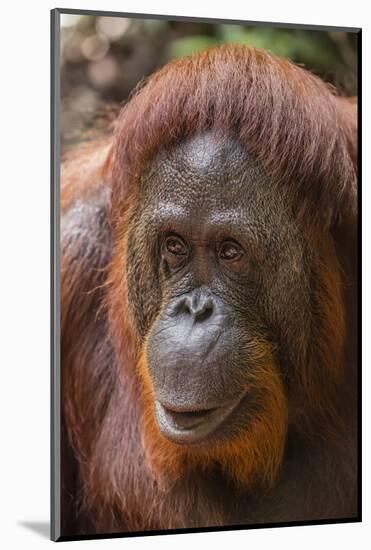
{"x":230,"y":252}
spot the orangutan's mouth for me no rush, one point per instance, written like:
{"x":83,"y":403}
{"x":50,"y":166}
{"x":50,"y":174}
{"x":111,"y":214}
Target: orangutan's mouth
{"x":187,"y":426}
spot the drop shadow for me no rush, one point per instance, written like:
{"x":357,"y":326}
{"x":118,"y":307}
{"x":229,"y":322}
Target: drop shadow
{"x":42,"y":528}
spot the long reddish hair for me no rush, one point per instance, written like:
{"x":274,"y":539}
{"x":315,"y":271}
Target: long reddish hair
{"x":305,"y":136}
{"x":296,"y":125}
{"x":293,"y":122}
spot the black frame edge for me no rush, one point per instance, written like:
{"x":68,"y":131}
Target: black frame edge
{"x":55,"y":425}
{"x":359,"y":269}
{"x":224,"y":528}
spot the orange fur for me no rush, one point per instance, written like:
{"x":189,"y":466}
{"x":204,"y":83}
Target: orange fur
{"x":255,"y":453}
{"x":320,"y":376}
{"x":304,"y":134}
{"x":83,"y":170}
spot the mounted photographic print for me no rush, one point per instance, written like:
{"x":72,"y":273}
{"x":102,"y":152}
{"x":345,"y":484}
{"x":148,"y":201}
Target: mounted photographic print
{"x":204,"y":281}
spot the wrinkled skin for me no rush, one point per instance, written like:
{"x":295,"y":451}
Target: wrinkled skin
{"x":229,"y":263}
{"x":224,"y":295}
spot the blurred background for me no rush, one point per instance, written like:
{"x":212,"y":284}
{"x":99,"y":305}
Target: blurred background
{"x":103,"y":58}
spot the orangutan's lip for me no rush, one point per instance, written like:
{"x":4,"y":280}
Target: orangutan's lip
{"x":187,"y":426}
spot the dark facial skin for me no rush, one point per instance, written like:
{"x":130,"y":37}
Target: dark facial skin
{"x":221,"y":243}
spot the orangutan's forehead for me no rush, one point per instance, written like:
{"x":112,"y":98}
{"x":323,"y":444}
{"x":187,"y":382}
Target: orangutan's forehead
{"x":206,"y":168}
